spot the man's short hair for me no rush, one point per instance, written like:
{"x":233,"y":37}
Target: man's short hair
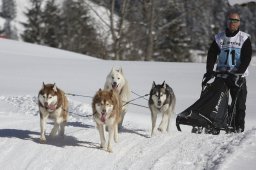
{"x":233,"y":11}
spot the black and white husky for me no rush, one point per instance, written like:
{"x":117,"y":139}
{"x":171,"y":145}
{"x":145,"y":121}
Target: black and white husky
{"x":161,"y":100}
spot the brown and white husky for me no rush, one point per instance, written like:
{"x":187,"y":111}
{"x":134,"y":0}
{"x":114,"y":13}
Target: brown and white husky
{"x":106,"y":107}
{"x":53,"y":104}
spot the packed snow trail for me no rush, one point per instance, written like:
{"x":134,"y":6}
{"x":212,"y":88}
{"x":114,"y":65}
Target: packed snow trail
{"x":79,"y":149}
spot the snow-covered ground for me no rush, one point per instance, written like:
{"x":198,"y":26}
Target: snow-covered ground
{"x":234,"y":2}
{"x":23,"y":68}
{"x":99,"y":18}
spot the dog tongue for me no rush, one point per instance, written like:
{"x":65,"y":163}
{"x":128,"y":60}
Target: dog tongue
{"x":114,"y":86}
{"x":51,"y":106}
{"x":103,"y":117}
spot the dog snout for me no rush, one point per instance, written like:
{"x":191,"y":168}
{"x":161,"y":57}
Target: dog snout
{"x":159,"y":102}
{"x":46,"y":104}
{"x":104,"y":111}
{"x":114,"y":84}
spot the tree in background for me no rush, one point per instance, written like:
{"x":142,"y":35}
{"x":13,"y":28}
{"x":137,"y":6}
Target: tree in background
{"x":68,"y":28}
{"x":9,"y":13}
{"x":117,"y":29}
{"x":77,"y":33}
{"x":136,"y":34}
{"x":248,"y":22}
{"x":51,"y":24}
{"x":161,"y":30}
{"x":140,"y":29}
{"x":33,"y":28}
{"x":173,"y":41}
{"x":149,"y":7}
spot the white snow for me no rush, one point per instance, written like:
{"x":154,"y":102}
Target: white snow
{"x":23,"y":68}
{"x":234,"y":2}
{"x":99,"y":18}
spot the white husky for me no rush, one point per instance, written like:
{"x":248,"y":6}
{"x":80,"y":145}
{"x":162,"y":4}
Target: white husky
{"x":118,"y":83}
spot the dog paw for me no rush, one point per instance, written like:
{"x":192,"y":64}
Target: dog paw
{"x":110,"y":150}
{"x":52,"y":135}
{"x":42,"y":140}
{"x":61,"y":134}
{"x":107,"y":149}
{"x":160,"y":129}
{"x":103,"y":146}
{"x":153,"y":132}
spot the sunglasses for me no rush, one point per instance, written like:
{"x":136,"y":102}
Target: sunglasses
{"x":232,"y":20}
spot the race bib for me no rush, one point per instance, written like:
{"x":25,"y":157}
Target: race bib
{"x":230,"y":50}
{"x":229,"y":58}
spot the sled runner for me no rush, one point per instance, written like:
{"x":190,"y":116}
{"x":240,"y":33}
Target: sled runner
{"x":212,"y":110}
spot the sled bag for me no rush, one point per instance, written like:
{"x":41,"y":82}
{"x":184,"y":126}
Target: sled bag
{"x":210,"y":109}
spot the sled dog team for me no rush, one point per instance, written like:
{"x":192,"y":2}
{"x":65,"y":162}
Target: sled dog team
{"x":108,"y":107}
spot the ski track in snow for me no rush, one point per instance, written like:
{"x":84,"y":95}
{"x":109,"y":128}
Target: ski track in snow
{"x":135,"y":149}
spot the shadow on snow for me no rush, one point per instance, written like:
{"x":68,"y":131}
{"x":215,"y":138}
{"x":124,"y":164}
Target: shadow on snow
{"x":58,"y":141}
{"x":135,"y":131}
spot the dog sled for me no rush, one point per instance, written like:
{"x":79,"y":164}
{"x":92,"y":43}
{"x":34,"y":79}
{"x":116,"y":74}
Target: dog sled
{"x":211,"y":111}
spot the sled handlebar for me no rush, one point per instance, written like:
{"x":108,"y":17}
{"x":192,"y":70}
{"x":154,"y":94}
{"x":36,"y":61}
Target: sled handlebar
{"x":224,"y":74}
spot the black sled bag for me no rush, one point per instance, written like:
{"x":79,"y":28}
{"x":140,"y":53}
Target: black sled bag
{"x":210,"y":110}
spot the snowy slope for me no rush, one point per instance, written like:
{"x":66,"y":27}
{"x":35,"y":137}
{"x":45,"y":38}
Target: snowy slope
{"x":99,"y":17}
{"x":234,"y":2}
{"x":23,"y":68}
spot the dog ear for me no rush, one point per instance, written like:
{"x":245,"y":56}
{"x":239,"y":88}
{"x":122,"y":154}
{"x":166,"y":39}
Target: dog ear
{"x":164,"y":85}
{"x":54,"y":87}
{"x":167,"y":88}
{"x":154,"y":84}
{"x":112,"y":70}
{"x":120,"y":70}
{"x":98,"y":93}
{"x":43,"y":85}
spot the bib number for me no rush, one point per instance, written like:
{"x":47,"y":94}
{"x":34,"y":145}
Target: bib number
{"x":233,"y":56}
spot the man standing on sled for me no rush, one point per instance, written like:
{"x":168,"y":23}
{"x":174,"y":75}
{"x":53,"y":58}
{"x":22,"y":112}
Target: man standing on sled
{"x":232,"y":50}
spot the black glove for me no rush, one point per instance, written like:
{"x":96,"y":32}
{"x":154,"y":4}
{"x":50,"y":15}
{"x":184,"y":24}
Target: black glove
{"x":207,"y":76}
{"x":235,"y":80}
